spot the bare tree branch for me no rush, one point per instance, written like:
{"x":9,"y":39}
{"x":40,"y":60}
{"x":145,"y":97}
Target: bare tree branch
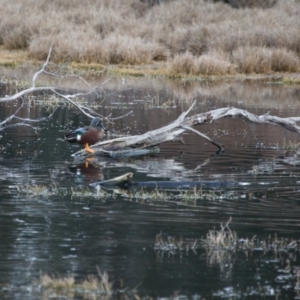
{"x":42,"y":70}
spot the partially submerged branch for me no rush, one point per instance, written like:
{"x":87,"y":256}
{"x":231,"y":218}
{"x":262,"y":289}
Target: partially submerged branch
{"x":181,"y":124}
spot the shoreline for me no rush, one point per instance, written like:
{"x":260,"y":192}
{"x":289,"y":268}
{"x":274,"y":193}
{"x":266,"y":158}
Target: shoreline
{"x":14,"y":59}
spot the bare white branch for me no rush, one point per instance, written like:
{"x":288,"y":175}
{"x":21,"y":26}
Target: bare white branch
{"x":35,"y":76}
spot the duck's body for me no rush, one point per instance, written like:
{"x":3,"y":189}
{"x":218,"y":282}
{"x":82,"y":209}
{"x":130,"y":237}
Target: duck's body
{"x":87,"y":135}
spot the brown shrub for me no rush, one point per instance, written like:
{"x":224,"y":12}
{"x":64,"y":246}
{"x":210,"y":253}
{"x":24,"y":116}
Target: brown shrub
{"x":252,"y":59}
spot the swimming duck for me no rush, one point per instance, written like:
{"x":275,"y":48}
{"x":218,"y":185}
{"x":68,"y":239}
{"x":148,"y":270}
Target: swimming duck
{"x":87,"y":136}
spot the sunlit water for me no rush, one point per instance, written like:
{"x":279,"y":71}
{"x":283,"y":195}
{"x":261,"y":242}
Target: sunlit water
{"x":61,"y":232}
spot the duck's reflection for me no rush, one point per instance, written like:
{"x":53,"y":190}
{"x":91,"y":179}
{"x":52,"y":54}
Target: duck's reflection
{"x":87,"y":171}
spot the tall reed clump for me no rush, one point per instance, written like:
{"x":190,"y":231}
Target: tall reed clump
{"x":194,"y":37}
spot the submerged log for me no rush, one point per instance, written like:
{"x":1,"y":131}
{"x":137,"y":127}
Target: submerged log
{"x":120,"y":180}
{"x":128,"y":145}
{"x":126,"y":181}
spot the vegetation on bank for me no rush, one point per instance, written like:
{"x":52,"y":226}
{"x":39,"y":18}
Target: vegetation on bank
{"x":194,"y":37}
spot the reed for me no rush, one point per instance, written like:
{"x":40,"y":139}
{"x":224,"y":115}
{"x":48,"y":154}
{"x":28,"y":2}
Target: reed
{"x":224,"y":239}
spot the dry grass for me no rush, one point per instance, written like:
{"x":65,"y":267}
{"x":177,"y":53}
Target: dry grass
{"x":32,"y":191}
{"x":56,"y":282}
{"x":214,"y":63}
{"x":195,"y":38}
{"x":100,"y":284}
{"x":264,"y":60}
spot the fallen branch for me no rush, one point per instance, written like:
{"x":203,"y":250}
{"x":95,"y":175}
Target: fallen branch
{"x":181,"y":124}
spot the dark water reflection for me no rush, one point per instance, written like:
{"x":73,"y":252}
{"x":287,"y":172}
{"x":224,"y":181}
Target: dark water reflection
{"x":61,"y":232}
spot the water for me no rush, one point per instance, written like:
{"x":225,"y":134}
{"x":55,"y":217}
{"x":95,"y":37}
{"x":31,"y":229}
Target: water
{"x":60,"y":229}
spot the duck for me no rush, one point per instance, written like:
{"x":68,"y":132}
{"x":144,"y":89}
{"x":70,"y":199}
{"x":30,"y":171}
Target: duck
{"x":87,"y":136}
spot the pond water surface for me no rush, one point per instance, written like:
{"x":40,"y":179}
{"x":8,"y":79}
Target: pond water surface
{"x":51,"y":222}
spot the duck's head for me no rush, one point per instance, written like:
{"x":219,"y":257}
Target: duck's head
{"x":97,"y":122}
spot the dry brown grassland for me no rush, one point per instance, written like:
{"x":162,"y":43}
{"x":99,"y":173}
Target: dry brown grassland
{"x":175,"y":38}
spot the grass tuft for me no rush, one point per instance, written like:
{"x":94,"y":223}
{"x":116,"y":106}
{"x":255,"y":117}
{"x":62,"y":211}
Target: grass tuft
{"x":56,"y":282}
{"x":66,"y":285}
{"x":224,"y":239}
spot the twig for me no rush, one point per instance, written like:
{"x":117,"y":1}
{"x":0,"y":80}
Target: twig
{"x":73,"y":102}
{"x":120,"y":117}
{"x":204,"y":136}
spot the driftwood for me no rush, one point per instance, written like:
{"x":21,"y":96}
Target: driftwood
{"x":131,"y":144}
